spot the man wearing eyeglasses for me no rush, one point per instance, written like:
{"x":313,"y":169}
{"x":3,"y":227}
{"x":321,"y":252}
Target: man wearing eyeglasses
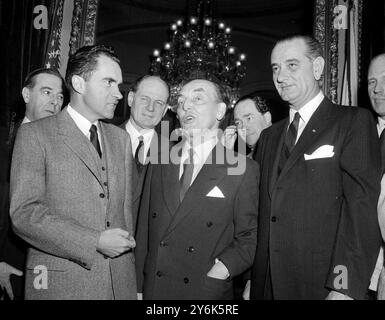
{"x":148,"y":101}
{"x":251,"y":117}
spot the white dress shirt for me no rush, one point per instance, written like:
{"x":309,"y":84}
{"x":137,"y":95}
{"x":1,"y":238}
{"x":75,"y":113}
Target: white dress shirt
{"x":201,"y":153}
{"x":147,"y":135}
{"x":84,"y":124}
{"x":306,"y":112}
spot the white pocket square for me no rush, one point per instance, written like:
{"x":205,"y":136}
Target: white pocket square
{"x":325,"y":151}
{"x":215,"y":193}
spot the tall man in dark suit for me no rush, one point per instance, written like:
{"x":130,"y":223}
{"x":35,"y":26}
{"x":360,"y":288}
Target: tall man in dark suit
{"x":71,"y":190}
{"x":198,"y":216}
{"x":376,"y":91}
{"x":148,"y":102}
{"x":43,"y":96}
{"x":318,"y":235}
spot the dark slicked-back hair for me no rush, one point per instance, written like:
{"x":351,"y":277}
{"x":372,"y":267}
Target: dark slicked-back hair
{"x":84,"y":62}
{"x":259,"y":103}
{"x":134,"y":87}
{"x":30,"y":79}
{"x":220,"y":91}
{"x":314,"y":48}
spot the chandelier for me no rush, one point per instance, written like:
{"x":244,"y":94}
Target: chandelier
{"x":200,"y":47}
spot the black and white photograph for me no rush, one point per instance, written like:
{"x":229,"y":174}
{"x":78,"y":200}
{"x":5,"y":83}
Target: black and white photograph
{"x":192,"y":155}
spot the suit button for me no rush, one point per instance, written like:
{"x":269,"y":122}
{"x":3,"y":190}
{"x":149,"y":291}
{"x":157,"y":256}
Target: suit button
{"x":186,"y":280}
{"x":103,"y":168}
{"x":101,"y":195}
{"x":154,"y":214}
{"x":163,"y":244}
{"x":209,"y":224}
{"x":191,"y":249}
{"x":273,"y":219}
{"x":105,"y":184}
{"x":108,"y":223}
{"x":159,"y":274}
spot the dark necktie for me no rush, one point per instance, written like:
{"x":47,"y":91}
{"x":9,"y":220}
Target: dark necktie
{"x":186,"y":178}
{"x":290,"y":138}
{"x":382,"y":146}
{"x":94,"y":139}
{"x":139,"y":153}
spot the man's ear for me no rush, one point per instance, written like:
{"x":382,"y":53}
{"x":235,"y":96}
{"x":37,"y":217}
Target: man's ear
{"x":221,"y":111}
{"x":78,"y":84}
{"x":130,"y":98}
{"x":25,"y":93}
{"x":267,"y":117}
{"x":318,"y":67}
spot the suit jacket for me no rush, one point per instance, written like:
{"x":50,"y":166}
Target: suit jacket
{"x":319,"y":216}
{"x":177,"y":243}
{"x":154,"y":154}
{"x":61,"y":202}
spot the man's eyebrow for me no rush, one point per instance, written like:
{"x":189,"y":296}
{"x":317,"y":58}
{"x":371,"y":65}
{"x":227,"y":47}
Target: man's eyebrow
{"x":246,"y":115}
{"x":292,"y":60}
{"x":199,"y":90}
{"x":110,"y":79}
{"x":46,"y":88}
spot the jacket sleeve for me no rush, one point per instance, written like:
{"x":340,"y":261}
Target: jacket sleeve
{"x":239,"y":255}
{"x":30,"y":214}
{"x":358,"y":237}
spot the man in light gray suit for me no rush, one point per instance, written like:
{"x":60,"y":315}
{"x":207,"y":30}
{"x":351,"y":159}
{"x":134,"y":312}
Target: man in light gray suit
{"x":70,"y":190}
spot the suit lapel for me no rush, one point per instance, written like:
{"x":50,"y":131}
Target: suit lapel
{"x":78,"y":143}
{"x":170,"y":181}
{"x":277,"y":140}
{"x":207,"y":178}
{"x":316,"y":126}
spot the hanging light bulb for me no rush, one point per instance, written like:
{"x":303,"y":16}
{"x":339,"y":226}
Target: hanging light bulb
{"x":208,"y":22}
{"x":156,"y":53}
{"x":231,"y":50}
{"x":242,"y":57}
{"x":211,"y":45}
{"x":187,"y":43}
{"x":179,"y":23}
{"x":167,"y":46}
{"x":221,"y":25}
{"x":193,"y":20}
{"x":174,"y":26}
{"x":228,"y":30}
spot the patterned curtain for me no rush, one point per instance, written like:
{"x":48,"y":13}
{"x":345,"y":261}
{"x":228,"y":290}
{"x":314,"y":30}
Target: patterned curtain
{"x":338,"y":26}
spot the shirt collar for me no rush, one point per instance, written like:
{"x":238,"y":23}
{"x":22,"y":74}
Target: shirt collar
{"x":25,"y":120}
{"x":380,"y":125}
{"x":201,"y":151}
{"x":81,"y":122}
{"x":134,"y":133}
{"x":308,"y":109}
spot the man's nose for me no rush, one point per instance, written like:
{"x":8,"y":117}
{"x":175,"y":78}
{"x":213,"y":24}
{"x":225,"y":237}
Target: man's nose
{"x":379,"y":87}
{"x":117,"y":94}
{"x":150,"y":106}
{"x":281,"y":75}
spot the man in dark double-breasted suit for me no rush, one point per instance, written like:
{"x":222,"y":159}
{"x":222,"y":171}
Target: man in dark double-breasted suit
{"x":318,"y":235}
{"x":198,"y":216}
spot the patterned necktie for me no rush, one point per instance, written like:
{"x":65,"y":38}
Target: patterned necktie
{"x":290,"y":138}
{"x":139,"y":153}
{"x":186,"y":178}
{"x":94,"y":139}
{"x":382,"y":146}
